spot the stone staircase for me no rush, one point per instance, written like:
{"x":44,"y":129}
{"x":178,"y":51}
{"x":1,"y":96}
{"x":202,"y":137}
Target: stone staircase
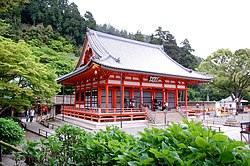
{"x":174,"y":116}
{"x":232,"y":122}
{"x":158,"y":117}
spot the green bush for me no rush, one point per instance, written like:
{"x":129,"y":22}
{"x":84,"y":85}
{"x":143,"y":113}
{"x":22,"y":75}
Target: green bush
{"x":188,"y":144}
{"x":11,"y":132}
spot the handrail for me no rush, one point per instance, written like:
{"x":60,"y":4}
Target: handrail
{"x":2,"y":143}
{"x":103,"y":110}
{"x":182,"y":113}
{"x":53,"y":125}
{"x":103,"y":114}
{"x":46,"y":133}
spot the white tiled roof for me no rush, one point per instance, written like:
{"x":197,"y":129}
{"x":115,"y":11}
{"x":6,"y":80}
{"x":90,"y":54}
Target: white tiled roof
{"x":126,"y":54}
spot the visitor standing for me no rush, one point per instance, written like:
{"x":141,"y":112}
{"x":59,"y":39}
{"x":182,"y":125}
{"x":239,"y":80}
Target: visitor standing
{"x":166,"y":107}
{"x":27,"y":114}
{"x":32,"y":114}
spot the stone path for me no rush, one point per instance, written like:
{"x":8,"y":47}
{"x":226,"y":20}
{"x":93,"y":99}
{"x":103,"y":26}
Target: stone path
{"x":215,"y":122}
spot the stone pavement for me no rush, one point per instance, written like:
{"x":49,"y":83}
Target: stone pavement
{"x":133,"y":128}
{"x":37,"y":128}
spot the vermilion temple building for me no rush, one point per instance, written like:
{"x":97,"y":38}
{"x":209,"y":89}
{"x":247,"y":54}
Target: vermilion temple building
{"x":116,"y":77}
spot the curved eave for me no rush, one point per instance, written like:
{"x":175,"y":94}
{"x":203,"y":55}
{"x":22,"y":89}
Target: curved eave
{"x":76,"y":72}
{"x":153,"y":73}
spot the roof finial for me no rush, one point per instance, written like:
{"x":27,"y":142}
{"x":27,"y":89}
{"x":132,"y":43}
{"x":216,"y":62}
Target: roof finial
{"x":118,"y":60}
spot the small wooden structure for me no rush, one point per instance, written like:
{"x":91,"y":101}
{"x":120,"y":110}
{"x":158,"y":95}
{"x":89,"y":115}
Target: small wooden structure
{"x":117,"y":77}
{"x":245,"y":131}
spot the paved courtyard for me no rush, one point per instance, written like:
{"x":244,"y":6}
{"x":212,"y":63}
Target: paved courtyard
{"x":133,"y":128}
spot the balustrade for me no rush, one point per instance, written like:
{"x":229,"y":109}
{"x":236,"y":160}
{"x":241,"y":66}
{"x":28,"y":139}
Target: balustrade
{"x":106,"y":114}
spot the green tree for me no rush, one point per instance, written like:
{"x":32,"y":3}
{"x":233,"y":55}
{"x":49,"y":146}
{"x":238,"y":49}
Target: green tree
{"x":138,"y":36}
{"x":113,"y":31}
{"x":22,"y":77}
{"x":10,"y":10}
{"x":64,"y":18}
{"x":62,"y":63}
{"x":187,"y":58}
{"x":168,"y":41}
{"x":231,"y":70}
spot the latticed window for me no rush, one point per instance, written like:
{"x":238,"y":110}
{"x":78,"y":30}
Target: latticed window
{"x":158,"y":97}
{"x":118,"y":99}
{"x":171,"y":100}
{"x":87,"y":99}
{"x":94,"y":98}
{"x":147,"y":99}
{"x":137,"y":98}
{"x":104,"y":99}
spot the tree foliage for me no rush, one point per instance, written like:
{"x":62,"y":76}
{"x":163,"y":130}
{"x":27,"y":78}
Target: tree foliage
{"x":181,"y":54}
{"x":10,"y":10}
{"x":63,"y":17}
{"x":22,"y":77}
{"x":231,"y":70}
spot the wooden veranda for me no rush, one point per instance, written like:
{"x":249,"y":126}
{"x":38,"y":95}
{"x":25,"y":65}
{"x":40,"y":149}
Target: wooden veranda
{"x":107,"y":114}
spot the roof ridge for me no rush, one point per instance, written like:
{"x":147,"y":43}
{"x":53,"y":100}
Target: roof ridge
{"x":125,"y":39}
{"x":102,"y":48}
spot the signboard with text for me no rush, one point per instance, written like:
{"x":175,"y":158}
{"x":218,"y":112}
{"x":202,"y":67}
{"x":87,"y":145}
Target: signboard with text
{"x":153,"y":79}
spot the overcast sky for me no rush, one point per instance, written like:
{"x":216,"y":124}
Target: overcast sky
{"x":208,"y":24}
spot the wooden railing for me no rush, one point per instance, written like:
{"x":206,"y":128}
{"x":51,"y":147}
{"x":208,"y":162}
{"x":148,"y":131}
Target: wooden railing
{"x":44,"y":133}
{"x":53,"y":126}
{"x":186,"y":111}
{"x":182,"y":113}
{"x":106,"y":114}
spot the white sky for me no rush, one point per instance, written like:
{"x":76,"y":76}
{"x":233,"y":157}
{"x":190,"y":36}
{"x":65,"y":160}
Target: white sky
{"x":208,"y":24}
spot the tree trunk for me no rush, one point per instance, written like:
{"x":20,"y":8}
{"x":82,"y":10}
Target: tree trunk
{"x":238,"y":103}
{"x":3,"y":109}
{"x":12,"y":112}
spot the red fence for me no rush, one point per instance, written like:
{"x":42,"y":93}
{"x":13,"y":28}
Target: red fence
{"x":106,"y":114}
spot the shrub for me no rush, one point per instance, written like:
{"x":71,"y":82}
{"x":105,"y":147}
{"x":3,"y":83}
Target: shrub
{"x":188,"y":144}
{"x":11,"y":132}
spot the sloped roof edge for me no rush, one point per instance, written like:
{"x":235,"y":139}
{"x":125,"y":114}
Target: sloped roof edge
{"x":153,"y":73}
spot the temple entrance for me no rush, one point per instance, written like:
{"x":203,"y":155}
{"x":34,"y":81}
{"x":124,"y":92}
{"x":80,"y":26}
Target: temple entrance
{"x":171,"y":103}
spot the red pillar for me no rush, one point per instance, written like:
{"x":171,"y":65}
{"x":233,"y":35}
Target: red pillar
{"x":141,"y":92}
{"x":166,"y":92}
{"x":186,"y":98}
{"x":176,"y":96}
{"x":99,"y":97}
{"x":122,"y":94}
{"x":163,"y":96}
{"x":141,"y":96}
{"x":153,"y":97}
{"x":107,"y":94}
{"x":163,"y":93}
{"x":132,"y":93}
{"x":91,"y":89}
